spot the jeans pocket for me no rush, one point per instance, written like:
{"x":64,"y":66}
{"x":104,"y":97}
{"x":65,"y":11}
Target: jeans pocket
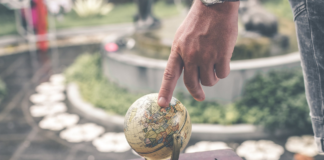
{"x":298,"y":7}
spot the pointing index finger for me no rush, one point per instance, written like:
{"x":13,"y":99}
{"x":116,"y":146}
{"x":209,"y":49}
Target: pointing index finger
{"x":171,"y":75}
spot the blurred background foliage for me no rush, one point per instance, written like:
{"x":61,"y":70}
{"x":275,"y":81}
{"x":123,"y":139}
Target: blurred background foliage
{"x":282,"y":10}
{"x":279,"y":7}
{"x":7,"y":21}
{"x":275,"y":100}
{"x":95,"y":88}
{"x":122,"y":12}
{"x":2,"y":90}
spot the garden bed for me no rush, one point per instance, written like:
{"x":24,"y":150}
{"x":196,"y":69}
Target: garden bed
{"x":275,"y":100}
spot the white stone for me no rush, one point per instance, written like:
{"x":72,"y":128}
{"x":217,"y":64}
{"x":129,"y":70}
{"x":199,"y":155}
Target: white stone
{"x":73,"y":134}
{"x":112,"y":142}
{"x":56,"y":97}
{"x":57,"y":79}
{"x":206,"y":146}
{"x":304,"y":145}
{"x":58,"y":122}
{"x":67,"y":120}
{"x":38,"y":110}
{"x":262,"y":149}
{"x":92,"y":131}
{"x":50,"y":123}
{"x":49,"y":109}
{"x":42,"y":98}
{"x":48,"y":88}
{"x":82,"y":132}
{"x":57,"y":108}
{"x":38,"y":98}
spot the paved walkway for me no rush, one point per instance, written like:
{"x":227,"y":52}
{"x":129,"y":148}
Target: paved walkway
{"x":21,"y":135}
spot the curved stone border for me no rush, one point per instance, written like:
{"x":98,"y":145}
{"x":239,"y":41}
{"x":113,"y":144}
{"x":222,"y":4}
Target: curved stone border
{"x":209,"y":132}
{"x":90,"y":112}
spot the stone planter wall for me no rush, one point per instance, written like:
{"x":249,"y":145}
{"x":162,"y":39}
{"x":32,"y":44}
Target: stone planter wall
{"x":144,"y":75}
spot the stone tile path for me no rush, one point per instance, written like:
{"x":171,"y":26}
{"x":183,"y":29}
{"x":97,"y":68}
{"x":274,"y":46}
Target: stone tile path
{"x":40,"y":128}
{"x":53,"y":131}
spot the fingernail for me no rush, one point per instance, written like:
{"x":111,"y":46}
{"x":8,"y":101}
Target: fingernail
{"x":200,"y":99}
{"x":162,"y":102}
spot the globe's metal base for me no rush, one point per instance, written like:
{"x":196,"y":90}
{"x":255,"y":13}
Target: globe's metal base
{"x":176,"y":147}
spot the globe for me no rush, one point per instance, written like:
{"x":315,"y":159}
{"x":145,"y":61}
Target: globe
{"x":149,"y":128}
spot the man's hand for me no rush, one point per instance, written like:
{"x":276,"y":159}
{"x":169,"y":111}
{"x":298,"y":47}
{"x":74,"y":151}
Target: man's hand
{"x":203,"y":47}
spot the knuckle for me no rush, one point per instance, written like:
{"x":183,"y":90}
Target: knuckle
{"x":174,"y":48}
{"x":168,"y":75}
{"x":191,"y":86}
{"x":222,"y":75}
{"x":208,"y":83}
{"x":193,"y":53}
{"x":165,"y":90}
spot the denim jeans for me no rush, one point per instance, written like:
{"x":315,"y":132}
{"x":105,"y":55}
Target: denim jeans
{"x":309,"y":20}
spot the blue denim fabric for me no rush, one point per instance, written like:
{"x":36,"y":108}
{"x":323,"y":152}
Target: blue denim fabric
{"x":309,"y":20}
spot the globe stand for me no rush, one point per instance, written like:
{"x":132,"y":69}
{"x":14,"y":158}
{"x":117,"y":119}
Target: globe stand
{"x":176,"y":147}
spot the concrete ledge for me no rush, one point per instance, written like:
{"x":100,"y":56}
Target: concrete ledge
{"x":266,"y":62}
{"x":144,"y":75}
{"x":199,"y":131}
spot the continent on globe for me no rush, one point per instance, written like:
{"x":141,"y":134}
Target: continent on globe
{"x":149,"y":128}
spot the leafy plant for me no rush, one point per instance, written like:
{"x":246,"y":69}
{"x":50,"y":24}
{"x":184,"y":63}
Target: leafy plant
{"x":95,"y":88}
{"x":209,"y":112}
{"x":277,"y":101}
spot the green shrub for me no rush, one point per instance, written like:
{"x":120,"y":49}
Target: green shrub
{"x":95,"y":88}
{"x":277,"y":101}
{"x":209,"y":112}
